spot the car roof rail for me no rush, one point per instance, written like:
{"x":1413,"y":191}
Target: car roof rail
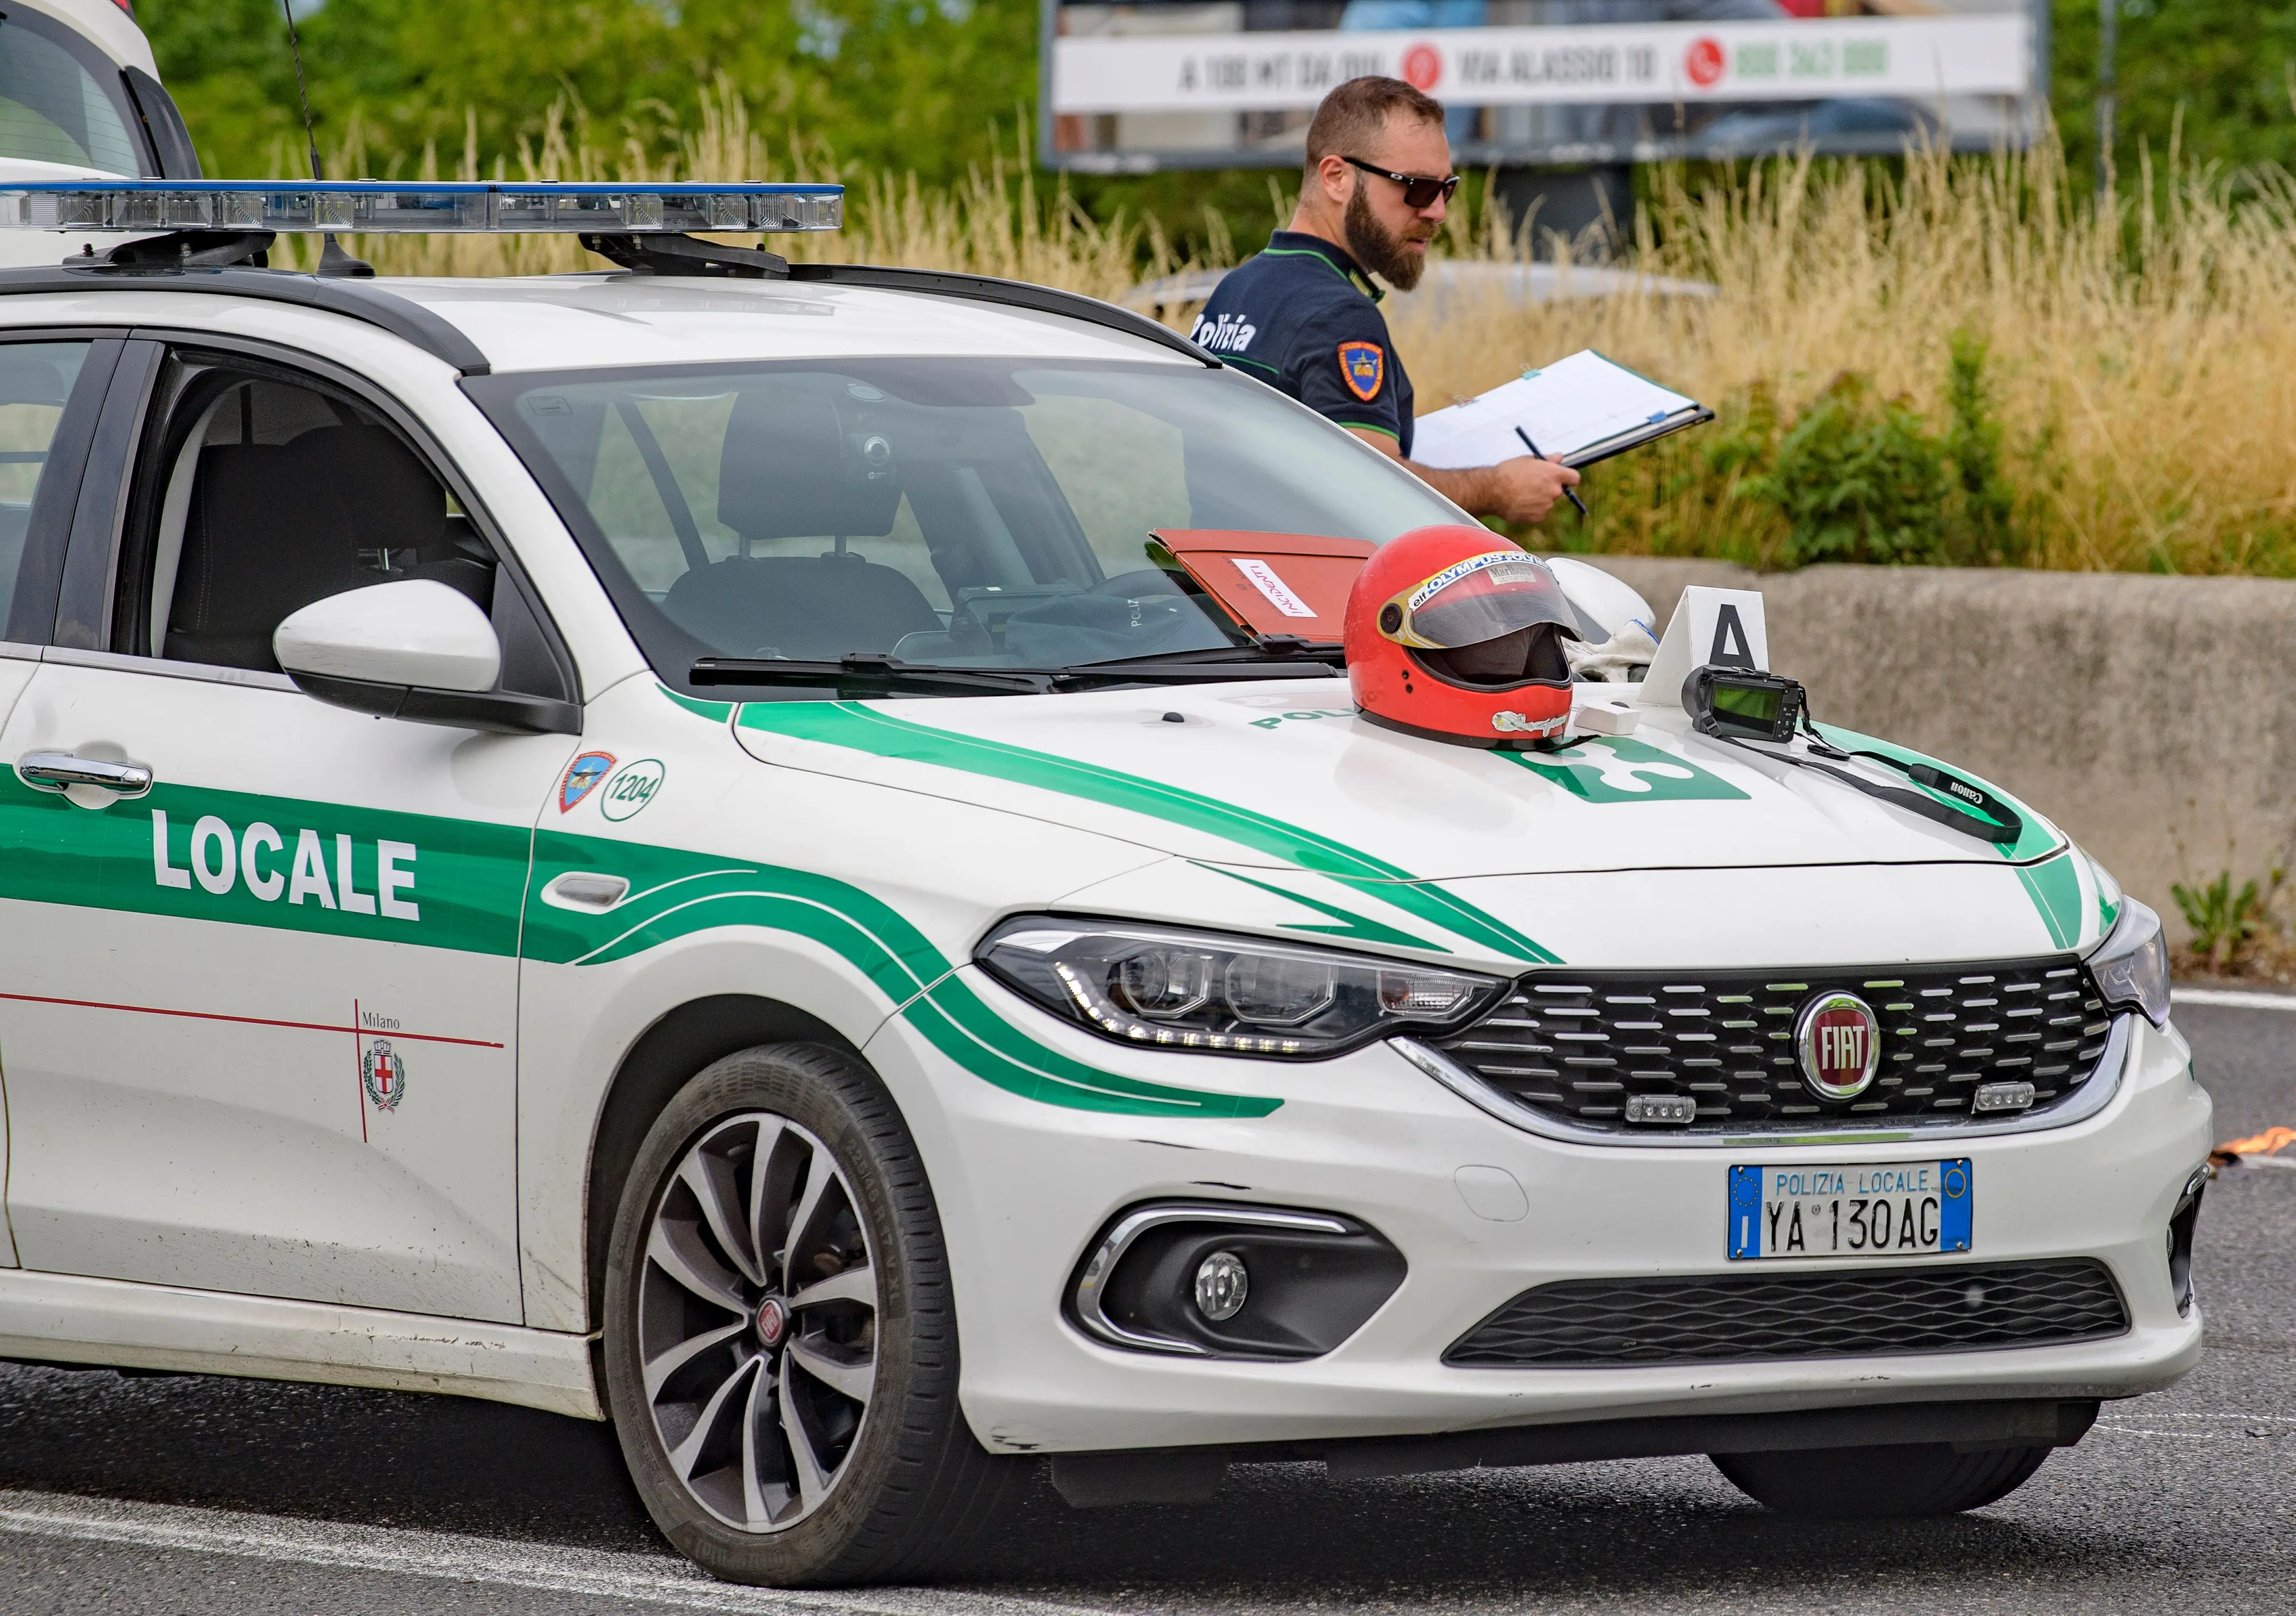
{"x":1012,"y":294}
{"x":228,"y":262}
{"x":359,"y":299}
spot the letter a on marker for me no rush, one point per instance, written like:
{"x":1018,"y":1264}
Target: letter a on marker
{"x":1731,"y":650}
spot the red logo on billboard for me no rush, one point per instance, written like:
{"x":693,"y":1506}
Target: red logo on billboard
{"x":1423,"y":67}
{"x":1705,"y":61}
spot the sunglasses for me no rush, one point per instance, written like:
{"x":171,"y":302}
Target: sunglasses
{"x":1419,"y":191}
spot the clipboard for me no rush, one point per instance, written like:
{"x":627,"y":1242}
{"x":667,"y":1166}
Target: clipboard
{"x":1581,"y":410}
{"x":1269,"y":583}
{"x":1649,"y":432}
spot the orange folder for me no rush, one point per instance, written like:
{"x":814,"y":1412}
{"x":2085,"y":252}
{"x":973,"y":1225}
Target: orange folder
{"x":1270,"y":583}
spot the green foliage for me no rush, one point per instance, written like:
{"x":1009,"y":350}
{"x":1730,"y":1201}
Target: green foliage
{"x":921,"y":85}
{"x":1972,"y":443}
{"x":2222,"y":920}
{"x":2222,"y":67}
{"x":1854,"y":477}
{"x":903,"y":85}
{"x":1858,"y":479}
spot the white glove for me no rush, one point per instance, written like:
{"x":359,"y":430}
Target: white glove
{"x":1633,"y":646}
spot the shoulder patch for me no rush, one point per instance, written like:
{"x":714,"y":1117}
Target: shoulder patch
{"x":1363,"y":366}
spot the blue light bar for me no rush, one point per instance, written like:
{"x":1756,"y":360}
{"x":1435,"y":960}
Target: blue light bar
{"x":431,"y":208}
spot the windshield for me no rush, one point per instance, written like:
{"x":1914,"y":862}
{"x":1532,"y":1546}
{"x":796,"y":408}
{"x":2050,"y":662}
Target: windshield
{"x":61,"y":99}
{"x":978,"y":513}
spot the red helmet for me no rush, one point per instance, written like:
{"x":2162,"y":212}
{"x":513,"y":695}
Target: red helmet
{"x":1453,"y":634}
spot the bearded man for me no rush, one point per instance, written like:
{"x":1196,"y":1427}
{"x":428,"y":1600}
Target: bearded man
{"x":1303,"y":316}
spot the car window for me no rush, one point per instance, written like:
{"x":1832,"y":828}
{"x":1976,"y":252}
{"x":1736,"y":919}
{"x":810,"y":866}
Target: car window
{"x":1116,"y":497}
{"x":257,"y":493}
{"x":977,"y":512}
{"x":36,"y":382}
{"x":61,"y":99}
{"x":651,"y":519}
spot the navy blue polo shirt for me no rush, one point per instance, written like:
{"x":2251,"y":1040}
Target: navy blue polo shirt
{"x":1303,"y":318}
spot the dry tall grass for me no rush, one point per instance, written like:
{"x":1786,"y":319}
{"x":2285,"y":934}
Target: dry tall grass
{"x":997,"y":222}
{"x":2138,"y":356}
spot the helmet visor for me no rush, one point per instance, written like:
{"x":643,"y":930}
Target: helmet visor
{"x":1484,"y":597}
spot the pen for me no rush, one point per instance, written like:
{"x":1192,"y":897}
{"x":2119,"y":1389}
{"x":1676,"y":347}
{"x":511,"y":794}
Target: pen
{"x":1571,"y":493}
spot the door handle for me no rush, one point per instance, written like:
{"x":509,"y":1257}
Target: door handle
{"x":55,"y":771}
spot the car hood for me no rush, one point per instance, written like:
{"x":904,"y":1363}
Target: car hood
{"x":1289,"y":775}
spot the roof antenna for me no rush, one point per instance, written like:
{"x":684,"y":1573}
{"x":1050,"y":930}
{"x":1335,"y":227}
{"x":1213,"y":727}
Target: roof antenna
{"x":333,"y":261}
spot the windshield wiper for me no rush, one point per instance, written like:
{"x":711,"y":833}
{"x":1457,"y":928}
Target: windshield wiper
{"x":1278,"y":656}
{"x":871,"y":670}
{"x":1193,"y":670}
{"x":1269,"y":656}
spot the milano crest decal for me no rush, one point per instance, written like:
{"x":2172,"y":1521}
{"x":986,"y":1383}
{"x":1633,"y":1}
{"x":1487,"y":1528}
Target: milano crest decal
{"x":384,"y":1073}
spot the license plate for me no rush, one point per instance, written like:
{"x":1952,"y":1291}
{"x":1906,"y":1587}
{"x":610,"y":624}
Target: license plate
{"x":1890,"y":1209}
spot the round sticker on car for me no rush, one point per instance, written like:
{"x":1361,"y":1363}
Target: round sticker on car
{"x":632,"y":788}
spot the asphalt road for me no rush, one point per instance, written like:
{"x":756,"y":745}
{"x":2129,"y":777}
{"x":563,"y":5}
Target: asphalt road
{"x":171,"y":1496}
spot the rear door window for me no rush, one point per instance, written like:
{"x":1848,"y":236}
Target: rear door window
{"x":259,"y":491}
{"x":35,"y":382}
{"x":62,"y":99}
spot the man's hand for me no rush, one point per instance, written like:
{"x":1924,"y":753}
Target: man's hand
{"x":1523,"y":489}
{"x":1517,"y":490}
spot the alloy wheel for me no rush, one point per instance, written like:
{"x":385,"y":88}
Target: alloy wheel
{"x":756,"y":1327}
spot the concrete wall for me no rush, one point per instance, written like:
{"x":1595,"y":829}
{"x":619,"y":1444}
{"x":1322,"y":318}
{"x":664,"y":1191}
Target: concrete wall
{"x":2154,"y":719}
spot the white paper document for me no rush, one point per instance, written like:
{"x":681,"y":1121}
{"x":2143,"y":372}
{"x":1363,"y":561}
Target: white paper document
{"x":1580,"y":408}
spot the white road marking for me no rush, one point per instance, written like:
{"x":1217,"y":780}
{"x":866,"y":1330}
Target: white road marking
{"x":2232,"y":998}
{"x":2252,"y":1426}
{"x":2279,"y":1419}
{"x":662,"y":1580}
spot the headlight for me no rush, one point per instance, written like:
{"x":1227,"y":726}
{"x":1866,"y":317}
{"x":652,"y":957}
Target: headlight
{"x":1170,"y":989}
{"x":2132,"y":967}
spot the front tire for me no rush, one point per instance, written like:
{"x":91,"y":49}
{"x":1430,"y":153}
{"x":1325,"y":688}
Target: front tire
{"x":781,"y":1348}
{"x":1879,"y":1483}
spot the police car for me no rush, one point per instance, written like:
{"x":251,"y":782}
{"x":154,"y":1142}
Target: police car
{"x":664,"y":846}
{"x":80,"y":97}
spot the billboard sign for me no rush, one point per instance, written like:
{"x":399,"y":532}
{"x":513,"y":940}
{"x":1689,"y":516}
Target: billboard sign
{"x":1175,"y":82}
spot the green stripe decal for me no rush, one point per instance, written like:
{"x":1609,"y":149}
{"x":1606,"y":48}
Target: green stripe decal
{"x":674,"y":893}
{"x":717,"y":712}
{"x":1347,"y":923}
{"x":461,"y":879}
{"x":2055,"y":887}
{"x":2052,"y":883}
{"x":2034,"y":841}
{"x":863,"y":727}
{"x":457,"y":883}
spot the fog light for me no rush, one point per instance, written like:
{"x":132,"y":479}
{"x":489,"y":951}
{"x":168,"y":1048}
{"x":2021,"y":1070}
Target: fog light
{"x":1222,"y":1283}
{"x":2003,"y":1097}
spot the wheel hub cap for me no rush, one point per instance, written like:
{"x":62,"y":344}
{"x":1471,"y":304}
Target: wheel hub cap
{"x":772,"y":1322}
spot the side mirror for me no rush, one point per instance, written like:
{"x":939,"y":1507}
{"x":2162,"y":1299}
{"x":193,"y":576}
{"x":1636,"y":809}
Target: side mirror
{"x":415,"y":649}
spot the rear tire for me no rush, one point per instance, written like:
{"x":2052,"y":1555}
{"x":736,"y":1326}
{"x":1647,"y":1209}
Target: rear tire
{"x":1879,"y":1483}
{"x":780,"y":1346}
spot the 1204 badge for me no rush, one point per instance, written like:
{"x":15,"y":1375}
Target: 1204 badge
{"x":633,"y":784}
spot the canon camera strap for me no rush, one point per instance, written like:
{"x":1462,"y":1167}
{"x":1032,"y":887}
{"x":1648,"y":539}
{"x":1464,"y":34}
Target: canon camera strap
{"x":2002,"y":825}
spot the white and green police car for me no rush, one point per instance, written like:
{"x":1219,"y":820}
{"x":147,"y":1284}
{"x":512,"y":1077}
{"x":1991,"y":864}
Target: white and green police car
{"x":655,"y":844}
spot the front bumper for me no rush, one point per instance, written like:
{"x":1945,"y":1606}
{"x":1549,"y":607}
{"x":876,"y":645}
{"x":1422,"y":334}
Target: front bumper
{"x":1023,"y":1187}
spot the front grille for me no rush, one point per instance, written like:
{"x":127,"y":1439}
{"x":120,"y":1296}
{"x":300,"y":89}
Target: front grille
{"x":1589,"y":1324}
{"x":1579,"y":1046}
